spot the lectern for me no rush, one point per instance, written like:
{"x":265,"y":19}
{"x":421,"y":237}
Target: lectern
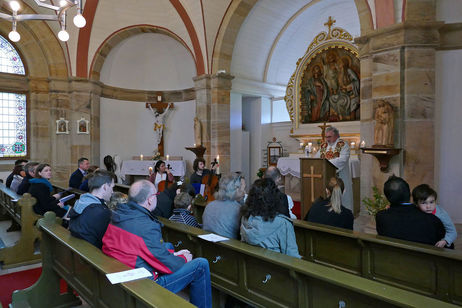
{"x":315,"y":174}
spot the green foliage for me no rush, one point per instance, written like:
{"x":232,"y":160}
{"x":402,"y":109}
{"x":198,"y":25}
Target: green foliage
{"x":261,"y":172}
{"x":377,"y":203}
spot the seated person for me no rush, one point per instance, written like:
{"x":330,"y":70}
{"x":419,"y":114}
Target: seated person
{"x":286,"y":204}
{"x":164,"y":207}
{"x":403,"y":220}
{"x":182,"y":211}
{"x":9,"y":179}
{"x":135,"y":238}
{"x":29,"y":168}
{"x":18,"y":176}
{"x":116,"y":199}
{"x":330,"y":211}
{"x":223,"y":215}
{"x":90,"y":215}
{"x":84,"y":185}
{"x":262,"y":225}
{"x":77,"y":176}
{"x":425,"y":198}
{"x":161,"y":173}
{"x":199,"y":171}
{"x":40,"y":188}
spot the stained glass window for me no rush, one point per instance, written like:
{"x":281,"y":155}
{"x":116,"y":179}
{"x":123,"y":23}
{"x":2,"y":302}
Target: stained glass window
{"x":10,"y":61}
{"x":13,"y":125}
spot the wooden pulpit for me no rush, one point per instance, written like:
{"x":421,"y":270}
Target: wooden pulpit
{"x":315,"y":174}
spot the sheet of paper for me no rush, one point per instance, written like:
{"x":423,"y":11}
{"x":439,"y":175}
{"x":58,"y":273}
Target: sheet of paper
{"x":129,"y":275}
{"x":213,"y":237}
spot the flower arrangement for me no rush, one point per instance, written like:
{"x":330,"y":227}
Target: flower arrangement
{"x":261,"y":172}
{"x":156,"y":156}
{"x":377,"y":203}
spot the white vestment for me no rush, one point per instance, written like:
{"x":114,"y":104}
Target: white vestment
{"x":343,"y":170}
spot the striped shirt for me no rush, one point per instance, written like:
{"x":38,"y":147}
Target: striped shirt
{"x":184,"y":216}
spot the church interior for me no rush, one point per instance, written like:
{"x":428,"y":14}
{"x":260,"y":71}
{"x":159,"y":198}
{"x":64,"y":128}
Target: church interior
{"x":248,"y":80}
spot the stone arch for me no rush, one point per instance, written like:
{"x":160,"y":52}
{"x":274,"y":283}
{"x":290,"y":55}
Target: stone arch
{"x":118,"y":36}
{"x":39,"y":48}
{"x":235,"y":16}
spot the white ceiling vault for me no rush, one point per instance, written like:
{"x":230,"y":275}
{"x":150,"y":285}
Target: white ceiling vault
{"x":276,"y":34}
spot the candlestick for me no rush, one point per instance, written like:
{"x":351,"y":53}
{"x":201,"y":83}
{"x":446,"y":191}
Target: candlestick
{"x":167,"y":157}
{"x":141,"y":156}
{"x":363,"y":144}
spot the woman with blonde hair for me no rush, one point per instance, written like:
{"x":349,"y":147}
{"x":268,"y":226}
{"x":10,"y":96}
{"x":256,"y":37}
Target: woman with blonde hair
{"x":330,"y":211}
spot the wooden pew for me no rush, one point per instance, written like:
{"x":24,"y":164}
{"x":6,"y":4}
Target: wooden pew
{"x":21,"y":211}
{"x":84,"y":267}
{"x":428,"y":270}
{"x":269,"y":279}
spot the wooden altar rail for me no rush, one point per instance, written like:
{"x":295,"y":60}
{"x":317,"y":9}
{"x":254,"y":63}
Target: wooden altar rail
{"x":20,"y":210}
{"x":265,"y":278}
{"x":431,"y":271}
{"x":84,"y":268}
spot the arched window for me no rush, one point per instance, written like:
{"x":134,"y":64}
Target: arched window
{"x":13,"y":116}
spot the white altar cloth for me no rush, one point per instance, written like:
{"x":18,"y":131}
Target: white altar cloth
{"x":141,"y":167}
{"x":291,"y":165}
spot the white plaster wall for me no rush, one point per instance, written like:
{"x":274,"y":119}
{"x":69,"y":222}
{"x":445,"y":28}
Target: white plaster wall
{"x":448,"y":169}
{"x":149,"y":61}
{"x":251,"y":118}
{"x":449,"y":11}
{"x":127,"y":130}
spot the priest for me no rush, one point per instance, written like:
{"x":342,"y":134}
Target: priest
{"x":337,"y":152}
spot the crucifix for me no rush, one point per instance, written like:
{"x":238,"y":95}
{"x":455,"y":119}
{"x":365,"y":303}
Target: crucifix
{"x":323,"y":133}
{"x":159,"y":110}
{"x":312,"y":176}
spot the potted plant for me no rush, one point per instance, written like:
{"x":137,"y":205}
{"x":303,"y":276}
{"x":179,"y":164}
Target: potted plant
{"x":377,"y":203}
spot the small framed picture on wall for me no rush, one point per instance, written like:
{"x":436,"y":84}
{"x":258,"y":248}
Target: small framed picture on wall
{"x":83,"y":126}
{"x":62,"y":126}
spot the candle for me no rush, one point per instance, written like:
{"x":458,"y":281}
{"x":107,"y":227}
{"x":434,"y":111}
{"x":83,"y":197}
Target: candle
{"x":194,"y":145}
{"x":150,"y":170}
{"x":167,"y":157}
{"x":218,"y":164}
{"x":352,"y":145}
{"x":159,"y":98}
{"x":141,"y":156}
{"x":301,"y":144}
{"x":363,"y":144}
{"x":310,"y":146}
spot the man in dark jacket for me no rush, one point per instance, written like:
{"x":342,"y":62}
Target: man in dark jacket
{"x":29,"y":168}
{"x":135,"y":238}
{"x":403,"y":220}
{"x":77,"y":176}
{"x":90,"y":215}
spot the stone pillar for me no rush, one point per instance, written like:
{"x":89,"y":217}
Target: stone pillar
{"x":213,"y":110}
{"x":398,"y":65}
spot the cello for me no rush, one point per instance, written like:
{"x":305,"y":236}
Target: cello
{"x":211,"y":182}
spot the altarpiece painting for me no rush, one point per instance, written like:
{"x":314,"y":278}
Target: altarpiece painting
{"x":325,"y":86}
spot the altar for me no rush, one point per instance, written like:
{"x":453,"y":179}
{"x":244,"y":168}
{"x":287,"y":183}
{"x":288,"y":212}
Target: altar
{"x":290,"y":169}
{"x":141,"y":167}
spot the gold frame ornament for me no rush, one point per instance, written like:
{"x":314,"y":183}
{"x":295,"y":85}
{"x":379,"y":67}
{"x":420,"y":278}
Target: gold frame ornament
{"x":335,"y":43}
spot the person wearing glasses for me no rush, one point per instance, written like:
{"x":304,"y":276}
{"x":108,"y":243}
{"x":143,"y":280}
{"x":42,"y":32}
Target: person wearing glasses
{"x":134,"y":237}
{"x":222,"y":216}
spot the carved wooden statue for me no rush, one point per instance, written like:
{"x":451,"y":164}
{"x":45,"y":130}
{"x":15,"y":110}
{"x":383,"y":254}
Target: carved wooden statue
{"x":384,"y":121}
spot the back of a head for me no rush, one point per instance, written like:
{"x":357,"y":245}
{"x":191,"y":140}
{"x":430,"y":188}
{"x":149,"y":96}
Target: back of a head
{"x":109,"y":163}
{"x":273,"y":173}
{"x":229,"y":187}
{"x":99,"y":178}
{"x":421,"y":192}
{"x":20,"y":162}
{"x":140,"y":191}
{"x":396,"y":190}
{"x":30,"y":166}
{"x":182,"y":200}
{"x":17,"y":169}
{"x":116,"y":199}
{"x":336,"y":188}
{"x":262,"y":199}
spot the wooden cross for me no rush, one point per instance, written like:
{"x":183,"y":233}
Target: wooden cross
{"x":160,"y":107}
{"x":323,"y":133}
{"x":312,"y":176}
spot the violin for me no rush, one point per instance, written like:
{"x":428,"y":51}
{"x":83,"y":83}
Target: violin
{"x":211,"y":182}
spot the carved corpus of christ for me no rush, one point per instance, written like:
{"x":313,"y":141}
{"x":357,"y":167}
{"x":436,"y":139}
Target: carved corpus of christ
{"x":159,"y":124}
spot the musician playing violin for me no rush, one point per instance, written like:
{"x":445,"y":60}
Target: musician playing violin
{"x":199,"y":171}
{"x":161,"y":173}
